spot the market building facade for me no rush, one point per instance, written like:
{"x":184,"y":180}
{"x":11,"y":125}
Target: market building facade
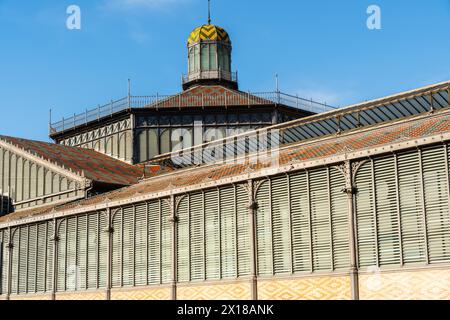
{"x":355,"y":205}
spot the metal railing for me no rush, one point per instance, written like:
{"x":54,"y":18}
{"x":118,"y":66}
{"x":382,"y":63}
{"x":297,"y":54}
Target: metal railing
{"x":214,"y":74}
{"x":228,"y":98}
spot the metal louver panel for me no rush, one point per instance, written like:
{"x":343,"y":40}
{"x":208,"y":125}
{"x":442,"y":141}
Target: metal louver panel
{"x":154,"y":242}
{"x":228,"y":232}
{"x":15,"y":261}
{"x":340,"y":227}
{"x":166,"y":242}
{"x":128,"y":225}
{"x":81,"y":261}
{"x":435,"y":178}
{"x":93,"y":252}
{"x":62,"y":255}
{"x":320,"y":220}
{"x":264,"y":230}
{"x":72,"y":272}
{"x":411,"y":208}
{"x":281,"y":225}
{"x":2,"y":258}
{"x":40,"y":271}
{"x":117,"y":250}
{"x":141,"y":242}
{"x":23,"y":261}
{"x":387,"y":217}
{"x":243,"y":231}
{"x":183,"y":241}
{"x":365,"y":217}
{"x":301,"y":223}
{"x":102,"y":249}
{"x":3,"y":261}
{"x":31,"y":255}
{"x":49,"y":266}
{"x":197,"y":237}
{"x":212,"y":235}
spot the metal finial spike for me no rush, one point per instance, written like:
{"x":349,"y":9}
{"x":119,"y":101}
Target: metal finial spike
{"x":209,"y":11}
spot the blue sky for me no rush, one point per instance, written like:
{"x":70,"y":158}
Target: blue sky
{"x":320,"y":49}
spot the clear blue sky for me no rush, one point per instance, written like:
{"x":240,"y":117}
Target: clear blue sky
{"x":321,"y":49}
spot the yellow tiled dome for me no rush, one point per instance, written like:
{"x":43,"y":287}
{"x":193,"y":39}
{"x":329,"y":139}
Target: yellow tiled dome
{"x":208,"y":32}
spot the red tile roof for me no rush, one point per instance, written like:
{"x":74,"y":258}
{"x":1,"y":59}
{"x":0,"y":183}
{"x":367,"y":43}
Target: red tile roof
{"x":211,"y":96}
{"x":357,"y":140}
{"x":94,"y":165}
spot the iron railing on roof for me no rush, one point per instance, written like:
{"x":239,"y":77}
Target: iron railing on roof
{"x":214,"y":74}
{"x":180,"y":100}
{"x":268,"y":139}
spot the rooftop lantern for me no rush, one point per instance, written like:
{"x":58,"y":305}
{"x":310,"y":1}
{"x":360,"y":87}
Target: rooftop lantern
{"x":209,"y":56}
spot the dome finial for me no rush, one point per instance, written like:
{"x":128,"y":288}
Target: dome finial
{"x":209,"y":11}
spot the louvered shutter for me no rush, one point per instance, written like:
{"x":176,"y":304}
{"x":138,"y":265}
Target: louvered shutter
{"x":49,"y":269}
{"x":117,"y":250}
{"x":82,"y":243}
{"x":183,"y":240}
{"x":365,"y":215}
{"x":412,"y":223}
{"x":301,"y":224}
{"x":154,"y":244}
{"x":197,"y":237}
{"x":128,"y":224}
{"x":281,"y":225}
{"x":228,"y":232}
{"x":93,"y":250}
{"x":103,"y":250}
{"x":436,"y":203}
{"x":2,"y":252}
{"x":243,"y":231}
{"x":166,"y":243}
{"x":320,"y":220}
{"x":23,"y":261}
{"x":141,"y":245}
{"x":387,"y":219}
{"x":212,"y":235}
{"x":264,"y":230}
{"x":32,"y":256}
{"x":3,"y":260}
{"x":72,"y":272}
{"x":62,"y":255}
{"x":15,"y":261}
{"x":41,"y":258}
{"x":339,"y":209}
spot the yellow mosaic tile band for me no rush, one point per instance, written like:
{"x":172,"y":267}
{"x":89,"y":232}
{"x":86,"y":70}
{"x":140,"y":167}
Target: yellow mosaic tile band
{"x":416,"y":285}
{"x":144,"y":294}
{"x":237,"y":291}
{"x":314,"y":288}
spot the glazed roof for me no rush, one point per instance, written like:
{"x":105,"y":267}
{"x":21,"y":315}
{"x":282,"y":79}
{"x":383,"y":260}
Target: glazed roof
{"x":356,"y":141}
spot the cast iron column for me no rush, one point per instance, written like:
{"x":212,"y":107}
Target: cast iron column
{"x":350,"y":190}
{"x":252,"y":207}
